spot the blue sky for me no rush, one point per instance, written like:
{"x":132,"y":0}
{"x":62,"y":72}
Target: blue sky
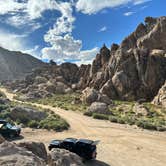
{"x":71,"y":30}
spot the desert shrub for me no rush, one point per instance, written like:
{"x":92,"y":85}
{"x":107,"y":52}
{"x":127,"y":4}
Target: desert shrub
{"x":54,"y":123}
{"x":121,"y":120}
{"x":88,"y":113}
{"x":33,"y":124}
{"x":113,"y":119}
{"x":146,"y":125}
{"x":100,"y":116}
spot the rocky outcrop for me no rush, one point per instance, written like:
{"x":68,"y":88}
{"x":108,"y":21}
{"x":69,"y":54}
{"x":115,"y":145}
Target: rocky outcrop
{"x":36,"y":148}
{"x":160,"y":99}
{"x":33,"y":153}
{"x":11,"y":154}
{"x":136,"y":68}
{"x":61,"y":157}
{"x":21,"y":112}
{"x":99,"y":108}
{"x":133,"y":70}
{"x":90,"y":95}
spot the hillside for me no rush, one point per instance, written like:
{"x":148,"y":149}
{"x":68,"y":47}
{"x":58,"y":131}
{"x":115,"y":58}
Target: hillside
{"x":16,"y":65}
{"x":133,"y":70}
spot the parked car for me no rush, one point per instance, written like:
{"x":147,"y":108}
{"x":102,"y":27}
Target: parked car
{"x":83,"y":147}
{"x":9,"y":131}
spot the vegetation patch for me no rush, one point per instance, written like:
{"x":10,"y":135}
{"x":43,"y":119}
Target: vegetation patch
{"x":51,"y":122}
{"x":64,"y":101}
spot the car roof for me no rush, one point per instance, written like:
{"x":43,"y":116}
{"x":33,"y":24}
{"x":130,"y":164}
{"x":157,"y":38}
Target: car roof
{"x":56,"y":141}
{"x":86,"y":141}
{"x":2,"y":121}
{"x":70,"y":140}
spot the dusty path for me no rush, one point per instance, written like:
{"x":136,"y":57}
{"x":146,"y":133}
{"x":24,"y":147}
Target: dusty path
{"x":120,"y":145}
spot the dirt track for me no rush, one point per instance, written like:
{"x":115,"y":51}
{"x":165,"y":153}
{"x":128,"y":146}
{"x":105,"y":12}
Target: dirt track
{"x":120,"y":145}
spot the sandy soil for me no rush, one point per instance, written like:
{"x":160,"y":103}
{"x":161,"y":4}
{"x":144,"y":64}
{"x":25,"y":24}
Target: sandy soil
{"x":120,"y":145}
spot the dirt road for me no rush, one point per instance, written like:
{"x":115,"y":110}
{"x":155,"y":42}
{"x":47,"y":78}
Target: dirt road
{"x":120,"y":145}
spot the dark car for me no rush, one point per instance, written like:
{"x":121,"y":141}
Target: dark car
{"x":9,"y":131}
{"x":83,"y":147}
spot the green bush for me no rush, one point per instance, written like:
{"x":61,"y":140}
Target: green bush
{"x":146,"y":125}
{"x":54,"y":123}
{"x":121,"y":120}
{"x":33,"y":124}
{"x":113,"y":119}
{"x":88,"y":113}
{"x":100,"y":116}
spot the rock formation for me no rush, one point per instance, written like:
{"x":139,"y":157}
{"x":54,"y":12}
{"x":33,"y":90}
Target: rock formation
{"x":160,"y":99}
{"x":134,"y":69}
{"x":33,"y":153}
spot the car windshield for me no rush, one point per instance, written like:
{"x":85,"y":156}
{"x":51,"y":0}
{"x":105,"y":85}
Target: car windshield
{"x":9,"y":125}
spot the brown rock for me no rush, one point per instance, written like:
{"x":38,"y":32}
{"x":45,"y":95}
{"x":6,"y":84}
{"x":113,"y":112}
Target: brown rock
{"x":36,"y":148}
{"x":160,"y":99}
{"x":59,"y":157}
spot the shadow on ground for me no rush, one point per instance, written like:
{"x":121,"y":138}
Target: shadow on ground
{"x":96,"y":163}
{"x":16,"y":138}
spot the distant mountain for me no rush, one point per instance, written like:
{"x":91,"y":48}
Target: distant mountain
{"x":16,"y":65}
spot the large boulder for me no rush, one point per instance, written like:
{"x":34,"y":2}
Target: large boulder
{"x":89,"y":95}
{"x":160,"y":99}
{"x":59,"y":157}
{"x":100,"y":108}
{"x":36,"y":148}
{"x":13,"y":155}
{"x":21,"y":112}
{"x":61,"y":87}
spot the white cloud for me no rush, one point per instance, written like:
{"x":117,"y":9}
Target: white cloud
{"x":87,"y":56}
{"x":11,"y":41}
{"x":138,"y":2}
{"x":11,"y":6}
{"x":14,"y":42}
{"x":89,"y":7}
{"x":128,"y":13}
{"x":62,"y":48}
{"x":103,"y":29}
{"x":35,"y":8}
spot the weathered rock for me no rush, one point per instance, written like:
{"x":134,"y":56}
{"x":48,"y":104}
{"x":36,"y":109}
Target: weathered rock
{"x":104,"y":99}
{"x":140,"y":110}
{"x":89,"y":95}
{"x":98,"y":107}
{"x":59,"y":157}
{"x":60,"y":87}
{"x":11,"y":154}
{"x":39,"y":80}
{"x":36,"y":148}
{"x":21,"y":112}
{"x":109,"y":90}
{"x":160,"y":99}
{"x":4,"y":101}
{"x":135,"y":69}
